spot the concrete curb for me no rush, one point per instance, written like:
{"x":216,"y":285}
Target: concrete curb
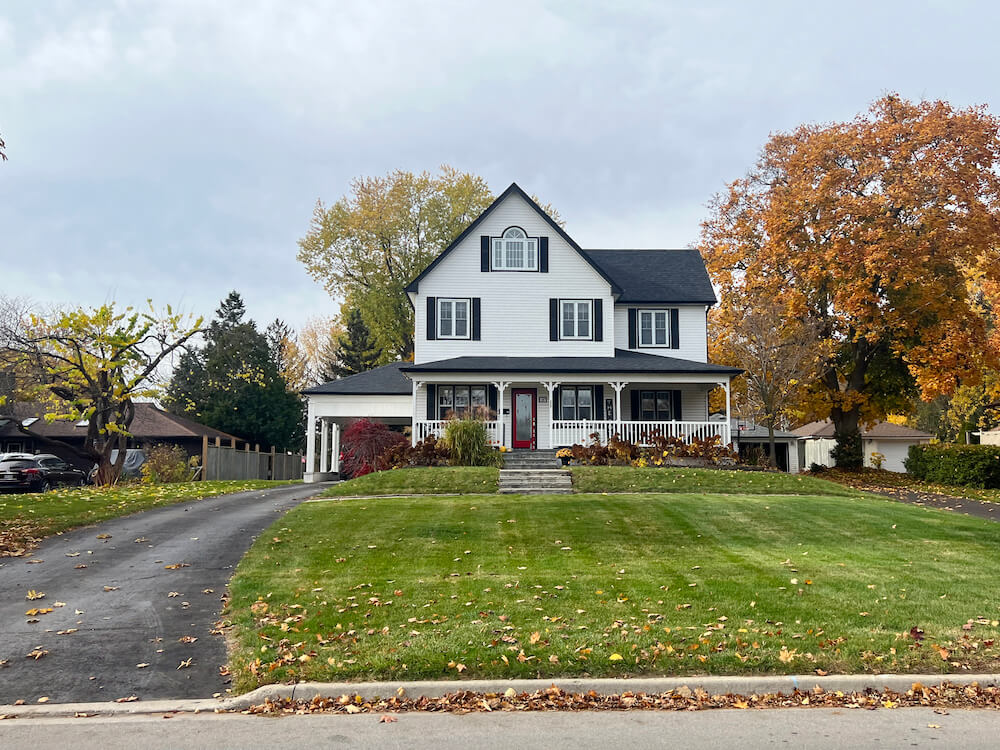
{"x":760,"y":685}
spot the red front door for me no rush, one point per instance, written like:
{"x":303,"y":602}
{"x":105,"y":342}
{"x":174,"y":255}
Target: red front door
{"x":524,"y":412}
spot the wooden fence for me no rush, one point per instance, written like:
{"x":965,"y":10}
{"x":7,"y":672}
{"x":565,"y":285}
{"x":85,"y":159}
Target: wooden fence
{"x":220,"y":461}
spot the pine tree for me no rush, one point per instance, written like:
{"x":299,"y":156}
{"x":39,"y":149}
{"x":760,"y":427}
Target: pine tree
{"x":355,"y":349}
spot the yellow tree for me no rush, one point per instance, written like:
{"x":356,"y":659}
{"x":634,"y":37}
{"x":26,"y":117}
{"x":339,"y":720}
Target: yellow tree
{"x":96,"y":363}
{"x":868,"y":229}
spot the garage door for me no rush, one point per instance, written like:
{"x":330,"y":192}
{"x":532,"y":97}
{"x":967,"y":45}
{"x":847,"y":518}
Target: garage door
{"x":895,"y":453}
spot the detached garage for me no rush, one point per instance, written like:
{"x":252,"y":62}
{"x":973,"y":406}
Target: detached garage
{"x":893,"y":441}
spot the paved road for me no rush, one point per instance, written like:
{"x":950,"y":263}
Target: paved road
{"x":817,"y":729}
{"x":117,"y":596}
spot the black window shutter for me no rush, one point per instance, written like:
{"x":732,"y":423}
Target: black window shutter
{"x":484,"y":253}
{"x":543,"y":254}
{"x":431,"y":401}
{"x":632,"y":325}
{"x":599,"y":400}
{"x":431,"y":317}
{"x":598,"y":320}
{"x":553,"y":320}
{"x":675,"y":334}
{"x":556,"y":399}
{"x":476,"y":312}
{"x":491,"y":395}
{"x":636,"y":414}
{"x":678,"y":412}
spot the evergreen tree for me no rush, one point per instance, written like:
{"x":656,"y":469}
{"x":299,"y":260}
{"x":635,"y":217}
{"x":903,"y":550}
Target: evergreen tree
{"x":355,"y":350}
{"x":234,"y":383}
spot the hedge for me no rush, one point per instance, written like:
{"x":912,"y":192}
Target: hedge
{"x":963,"y":465}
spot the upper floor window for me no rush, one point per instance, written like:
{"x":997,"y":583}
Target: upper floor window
{"x":453,"y":318}
{"x":653,"y":328}
{"x":515,"y":251}
{"x":575,"y":318}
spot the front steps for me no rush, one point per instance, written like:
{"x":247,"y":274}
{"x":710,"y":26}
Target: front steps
{"x":534,"y":473}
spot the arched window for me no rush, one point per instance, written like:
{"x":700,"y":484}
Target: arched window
{"x":515,"y":251}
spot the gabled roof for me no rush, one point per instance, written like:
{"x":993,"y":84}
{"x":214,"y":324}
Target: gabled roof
{"x":150,"y":423}
{"x":514,"y":189}
{"x":657,"y":275}
{"x":885,"y":430}
{"x":382,"y":381}
{"x":623,"y":361}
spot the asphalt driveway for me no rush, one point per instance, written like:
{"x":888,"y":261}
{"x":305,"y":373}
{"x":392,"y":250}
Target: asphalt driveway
{"x":134,"y":591}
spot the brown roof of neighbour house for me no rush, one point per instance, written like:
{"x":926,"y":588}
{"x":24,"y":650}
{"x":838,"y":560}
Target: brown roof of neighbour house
{"x":885,"y":430}
{"x":150,"y":423}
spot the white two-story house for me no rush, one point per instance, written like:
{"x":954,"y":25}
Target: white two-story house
{"x":557,"y":341}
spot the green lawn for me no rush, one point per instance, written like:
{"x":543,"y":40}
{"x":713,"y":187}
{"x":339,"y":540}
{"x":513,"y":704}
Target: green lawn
{"x":629,"y":479}
{"x":27,"y":518}
{"x":543,"y":586}
{"x":462,"y":480}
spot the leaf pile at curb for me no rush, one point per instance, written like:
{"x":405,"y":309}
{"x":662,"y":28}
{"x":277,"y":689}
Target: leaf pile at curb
{"x":945,"y":695}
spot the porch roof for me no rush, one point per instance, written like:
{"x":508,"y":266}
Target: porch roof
{"x":623,"y":362}
{"x":382,"y":381}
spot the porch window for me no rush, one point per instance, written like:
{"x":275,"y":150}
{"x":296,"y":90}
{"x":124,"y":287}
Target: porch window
{"x":515,"y":251}
{"x":458,"y":400}
{"x":575,"y":318}
{"x":656,"y":406}
{"x":576,"y":402}
{"x":453,"y":318}
{"x":653,"y":328}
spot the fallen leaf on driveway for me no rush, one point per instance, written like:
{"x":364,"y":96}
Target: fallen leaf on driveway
{"x":36,"y":654}
{"x":67,"y":631}
{"x":32,"y":595}
{"x":142,"y":665}
{"x":176,"y":566}
{"x":187,"y":639}
{"x":386,"y":719}
{"x":110,"y":588}
{"x":173,"y":594}
{"x":81,"y":566}
{"x":140,"y":540}
{"x":186,"y":663}
{"x":44,"y":699}
{"x":130,"y":699}
{"x":104,"y":536}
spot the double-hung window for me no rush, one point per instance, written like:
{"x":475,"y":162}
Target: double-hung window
{"x":653,"y":328}
{"x":576,"y":402}
{"x":576,"y":317}
{"x":453,"y":318}
{"x":459,"y":400}
{"x":515,"y":251}
{"x":656,"y":406}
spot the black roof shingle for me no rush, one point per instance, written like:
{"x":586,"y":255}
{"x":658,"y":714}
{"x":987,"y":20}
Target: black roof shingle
{"x":387,"y":380}
{"x":657,"y":275}
{"x":623,"y":361}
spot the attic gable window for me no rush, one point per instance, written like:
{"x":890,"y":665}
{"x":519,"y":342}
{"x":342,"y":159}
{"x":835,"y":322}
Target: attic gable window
{"x":515,"y":251}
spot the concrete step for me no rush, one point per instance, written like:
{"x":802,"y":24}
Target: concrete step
{"x":534,"y":491}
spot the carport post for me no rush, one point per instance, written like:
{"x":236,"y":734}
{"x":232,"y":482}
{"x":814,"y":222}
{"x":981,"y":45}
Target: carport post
{"x":204,"y":457}
{"x":324,"y":456}
{"x":310,"y":442}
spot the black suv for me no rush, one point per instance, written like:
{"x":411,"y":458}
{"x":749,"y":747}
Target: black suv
{"x":37,"y":473}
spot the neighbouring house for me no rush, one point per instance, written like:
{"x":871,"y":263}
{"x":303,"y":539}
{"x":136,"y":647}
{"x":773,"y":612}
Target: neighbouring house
{"x":751,"y":441}
{"x":151,"y":425}
{"x":893,"y":441}
{"x":989,"y":437}
{"x":557,"y":341}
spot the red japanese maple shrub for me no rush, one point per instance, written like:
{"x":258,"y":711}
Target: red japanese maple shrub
{"x":363,"y":442}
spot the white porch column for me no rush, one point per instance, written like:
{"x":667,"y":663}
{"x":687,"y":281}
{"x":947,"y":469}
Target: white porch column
{"x":413,"y":418}
{"x":334,"y":446}
{"x":310,"y":443}
{"x":324,"y":455}
{"x":727,"y":439}
{"x":551,"y":388}
{"x":501,"y":386}
{"x":619,"y":386}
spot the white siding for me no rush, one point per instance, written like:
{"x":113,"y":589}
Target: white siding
{"x":515,"y":306}
{"x":692,"y":333}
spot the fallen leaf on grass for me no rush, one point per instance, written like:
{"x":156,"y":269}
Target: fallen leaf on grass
{"x":615,"y":657}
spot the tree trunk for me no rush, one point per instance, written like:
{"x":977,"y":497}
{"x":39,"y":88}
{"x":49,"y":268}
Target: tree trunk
{"x":848,"y":452}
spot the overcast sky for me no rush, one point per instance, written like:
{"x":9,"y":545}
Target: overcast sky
{"x":175,"y":150}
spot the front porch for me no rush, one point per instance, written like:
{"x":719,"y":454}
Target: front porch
{"x":559,"y":412}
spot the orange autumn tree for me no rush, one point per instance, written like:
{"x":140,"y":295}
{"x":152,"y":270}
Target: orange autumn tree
{"x":868,"y":231}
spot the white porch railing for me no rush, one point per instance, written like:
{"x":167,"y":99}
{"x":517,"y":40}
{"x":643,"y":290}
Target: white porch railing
{"x":570,"y":432}
{"x":424,"y":427}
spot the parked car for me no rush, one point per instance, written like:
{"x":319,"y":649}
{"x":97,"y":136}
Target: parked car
{"x":40,"y":473}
